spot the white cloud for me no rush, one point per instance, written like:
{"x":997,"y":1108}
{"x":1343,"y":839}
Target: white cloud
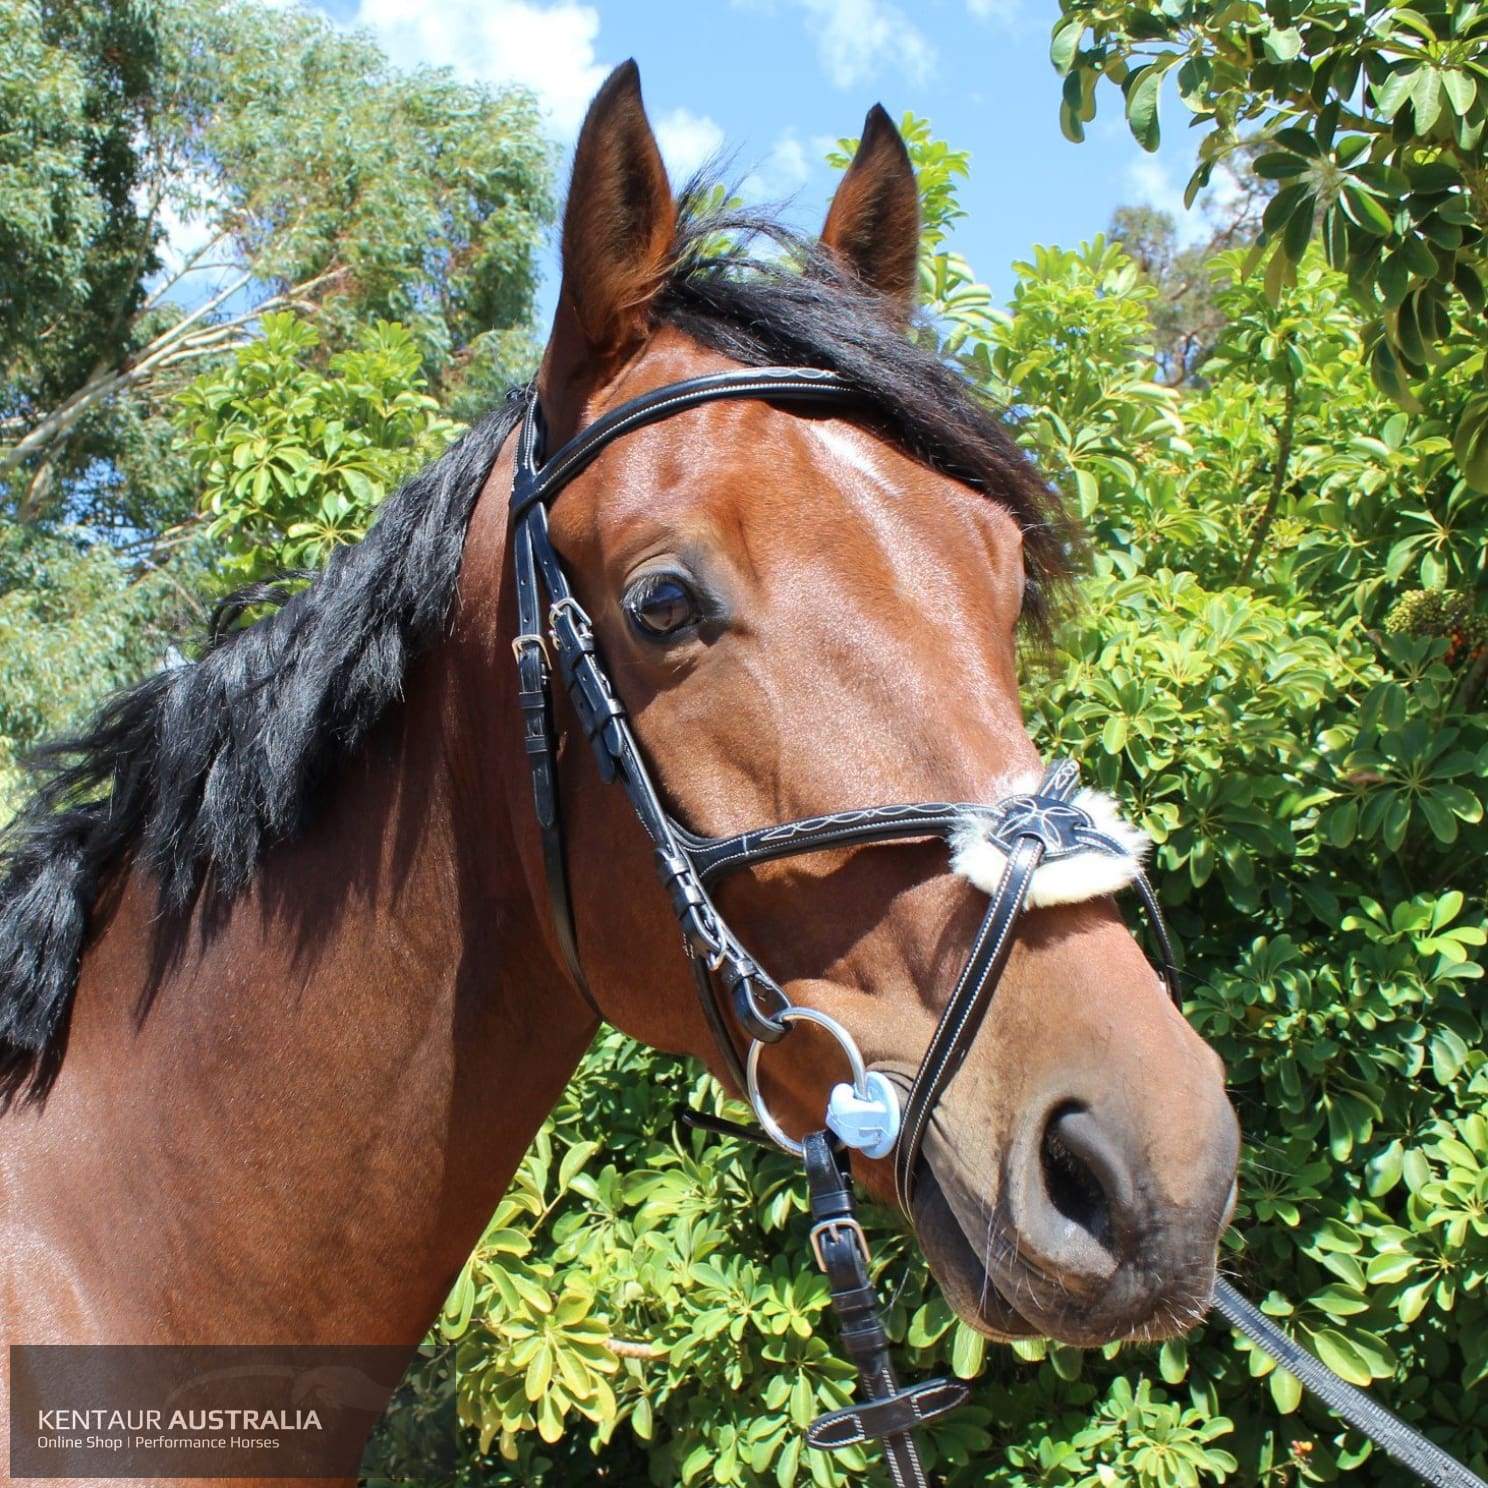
{"x":856,"y":39}
{"x":549,"y":48}
{"x":687,"y":141}
{"x":1003,"y":12}
{"x":1153,"y":186}
{"x":783,"y":171}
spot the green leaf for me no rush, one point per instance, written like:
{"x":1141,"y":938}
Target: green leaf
{"x":1282,"y":46}
{"x":968,"y":1351}
{"x":1279,"y":166}
{"x":1341,"y":1356}
{"x":1426,"y":96}
{"x":788,"y":1466}
{"x":1363,"y":210}
{"x":1386,"y":1270}
{"x":1172,"y":1361}
{"x":1448,"y":1055}
{"x":641,"y":1418}
{"x":1470,"y":442}
{"x":1065,"y":44}
{"x":1384,"y":1170}
{"x":573,"y":1160}
{"x":1461,"y":89}
{"x":1390,"y":96}
{"x":1286,"y":1390}
{"x":1298,"y":231}
{"x":1144,"y":89}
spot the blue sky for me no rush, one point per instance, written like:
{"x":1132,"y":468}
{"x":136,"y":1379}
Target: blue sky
{"x":775,"y":81}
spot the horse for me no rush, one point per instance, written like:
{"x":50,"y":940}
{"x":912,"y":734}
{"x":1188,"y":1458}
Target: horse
{"x":282,"y":999}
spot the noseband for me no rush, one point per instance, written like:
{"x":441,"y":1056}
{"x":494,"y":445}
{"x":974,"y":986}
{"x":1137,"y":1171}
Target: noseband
{"x":1030,"y":829}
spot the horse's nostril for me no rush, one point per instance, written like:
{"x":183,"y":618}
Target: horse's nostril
{"x":1084,"y":1177}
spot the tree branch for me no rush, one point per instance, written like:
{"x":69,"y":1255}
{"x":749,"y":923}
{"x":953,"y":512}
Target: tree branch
{"x":191,"y":266}
{"x":625,"y":1349}
{"x":1278,"y":479}
{"x":177,"y":343}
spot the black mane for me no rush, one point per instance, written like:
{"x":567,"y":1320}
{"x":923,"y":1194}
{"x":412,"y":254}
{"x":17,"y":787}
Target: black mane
{"x":198,"y":770}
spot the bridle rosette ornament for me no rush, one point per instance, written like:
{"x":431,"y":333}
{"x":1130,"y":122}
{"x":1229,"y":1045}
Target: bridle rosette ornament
{"x":1089,"y":850}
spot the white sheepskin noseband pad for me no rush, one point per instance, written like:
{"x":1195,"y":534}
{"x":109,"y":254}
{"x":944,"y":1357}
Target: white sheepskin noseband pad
{"x":1066,"y":878}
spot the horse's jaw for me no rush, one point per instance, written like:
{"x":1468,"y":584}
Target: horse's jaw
{"x":958,"y":1268}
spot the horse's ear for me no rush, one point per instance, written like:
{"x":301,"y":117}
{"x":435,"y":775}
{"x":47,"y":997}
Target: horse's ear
{"x":873,"y":224}
{"x":620,"y":218}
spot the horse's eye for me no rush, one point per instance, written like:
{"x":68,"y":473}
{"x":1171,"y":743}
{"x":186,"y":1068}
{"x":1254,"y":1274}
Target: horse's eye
{"x":660,"y":605}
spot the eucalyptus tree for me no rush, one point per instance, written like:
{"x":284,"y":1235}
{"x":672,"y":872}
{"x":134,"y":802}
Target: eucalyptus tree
{"x":170,"y":170}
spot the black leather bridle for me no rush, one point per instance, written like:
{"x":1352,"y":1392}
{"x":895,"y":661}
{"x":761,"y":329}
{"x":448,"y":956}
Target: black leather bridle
{"x":1030,"y":829}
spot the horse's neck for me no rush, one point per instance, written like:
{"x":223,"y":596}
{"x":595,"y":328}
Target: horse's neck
{"x":302,"y":1135}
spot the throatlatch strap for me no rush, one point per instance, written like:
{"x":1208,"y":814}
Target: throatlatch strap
{"x":534,"y":697}
{"x":884,"y":1411}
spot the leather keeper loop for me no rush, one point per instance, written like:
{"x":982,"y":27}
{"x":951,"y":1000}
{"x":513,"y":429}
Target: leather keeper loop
{"x":871,"y":1419}
{"x":756,"y":1024}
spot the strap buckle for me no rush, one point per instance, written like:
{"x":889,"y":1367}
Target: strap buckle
{"x":577,"y":615}
{"x":834,"y":1227}
{"x":519,"y":643}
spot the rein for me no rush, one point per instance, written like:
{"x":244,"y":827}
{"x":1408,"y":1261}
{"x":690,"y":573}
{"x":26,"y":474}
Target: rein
{"x":1031,"y":829}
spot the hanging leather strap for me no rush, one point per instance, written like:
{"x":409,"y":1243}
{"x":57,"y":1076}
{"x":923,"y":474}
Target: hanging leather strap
{"x":883,"y":1411}
{"x":535,"y":699}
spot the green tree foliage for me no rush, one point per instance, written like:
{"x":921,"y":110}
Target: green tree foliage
{"x":311,"y":174}
{"x":316,"y":195}
{"x":75,"y":625}
{"x":1375,"y":117}
{"x":293,"y":457}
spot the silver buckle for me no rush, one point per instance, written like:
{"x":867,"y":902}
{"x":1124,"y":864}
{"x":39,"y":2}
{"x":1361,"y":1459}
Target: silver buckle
{"x":541,"y":642}
{"x":834,"y":1227}
{"x":576,"y":612}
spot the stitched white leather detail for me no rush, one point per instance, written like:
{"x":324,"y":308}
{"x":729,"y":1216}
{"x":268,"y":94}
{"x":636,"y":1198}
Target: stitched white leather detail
{"x":1071,"y":880}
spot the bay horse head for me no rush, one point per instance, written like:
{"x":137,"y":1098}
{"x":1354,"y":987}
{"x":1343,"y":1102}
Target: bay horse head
{"x":281,"y":973}
{"x":806,"y":609}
